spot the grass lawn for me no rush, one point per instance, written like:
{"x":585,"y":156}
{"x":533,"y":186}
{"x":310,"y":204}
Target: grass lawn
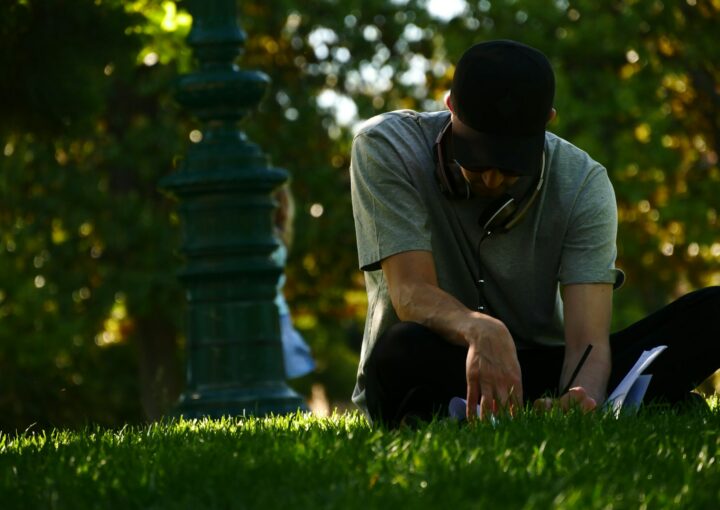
{"x":654,"y":460}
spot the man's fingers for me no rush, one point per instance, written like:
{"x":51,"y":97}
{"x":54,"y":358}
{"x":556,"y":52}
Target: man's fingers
{"x":514,"y":401}
{"x":499,"y":396}
{"x":588,"y":404}
{"x":584,"y":402}
{"x":543,"y":404}
{"x":577,"y":397}
{"x":510,"y":394}
{"x":487,"y":403}
{"x":472,"y":400}
{"x":518,"y":394}
{"x":502,"y":398}
{"x":472,"y":380}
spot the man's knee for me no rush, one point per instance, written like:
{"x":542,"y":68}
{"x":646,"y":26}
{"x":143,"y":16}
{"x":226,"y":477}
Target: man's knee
{"x":705,"y":302}
{"x":405,"y":374}
{"x":399,"y":341}
{"x":706,"y":294}
{"x":714,"y":292}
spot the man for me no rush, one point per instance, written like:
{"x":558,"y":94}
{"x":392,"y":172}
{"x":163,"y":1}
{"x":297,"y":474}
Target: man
{"x":488,"y":246}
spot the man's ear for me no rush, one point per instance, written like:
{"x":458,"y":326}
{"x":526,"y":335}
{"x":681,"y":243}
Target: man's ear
{"x":553,"y":114}
{"x":448,"y":102}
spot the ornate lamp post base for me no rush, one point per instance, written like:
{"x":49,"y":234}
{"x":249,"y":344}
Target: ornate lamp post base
{"x":259,"y":401}
{"x":225,"y":185}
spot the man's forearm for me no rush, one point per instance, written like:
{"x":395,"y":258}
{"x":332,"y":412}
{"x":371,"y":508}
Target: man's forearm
{"x":588,"y":311}
{"x":434,"y":308}
{"x":595,"y":372}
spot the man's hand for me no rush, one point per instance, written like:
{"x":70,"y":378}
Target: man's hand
{"x":492,"y":370}
{"x":575,"y":398}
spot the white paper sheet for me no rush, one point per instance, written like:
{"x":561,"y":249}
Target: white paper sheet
{"x":631,"y":390}
{"x":456,"y":409}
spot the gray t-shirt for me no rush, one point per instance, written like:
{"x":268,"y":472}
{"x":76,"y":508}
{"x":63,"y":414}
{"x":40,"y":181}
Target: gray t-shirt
{"x":567,"y":236}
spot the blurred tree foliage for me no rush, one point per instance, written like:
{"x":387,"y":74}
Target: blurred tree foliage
{"x":90,"y":309}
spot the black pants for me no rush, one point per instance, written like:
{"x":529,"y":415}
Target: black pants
{"x":412,"y":371}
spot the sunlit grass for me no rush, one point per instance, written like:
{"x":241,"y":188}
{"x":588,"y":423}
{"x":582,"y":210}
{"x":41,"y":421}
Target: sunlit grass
{"x":658,"y":459}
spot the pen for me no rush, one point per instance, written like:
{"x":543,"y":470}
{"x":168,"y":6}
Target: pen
{"x":577,"y":369}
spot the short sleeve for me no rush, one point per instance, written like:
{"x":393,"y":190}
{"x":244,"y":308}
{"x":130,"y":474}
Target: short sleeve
{"x":390,"y":216}
{"x":589,"y":248}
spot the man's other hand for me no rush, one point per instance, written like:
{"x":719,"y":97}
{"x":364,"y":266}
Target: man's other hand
{"x":575,"y":398}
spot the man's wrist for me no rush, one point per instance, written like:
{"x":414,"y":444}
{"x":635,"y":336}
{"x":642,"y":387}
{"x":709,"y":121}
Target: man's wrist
{"x":478,"y":326}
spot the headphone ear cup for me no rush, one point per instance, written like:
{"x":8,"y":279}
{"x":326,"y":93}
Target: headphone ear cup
{"x":447,"y":173}
{"x":451,"y":182}
{"x":508,"y":210}
{"x":498,"y":214}
{"x":441,"y":175}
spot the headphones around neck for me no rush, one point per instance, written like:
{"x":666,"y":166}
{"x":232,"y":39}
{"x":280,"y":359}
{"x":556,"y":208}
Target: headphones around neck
{"x":504,"y":212}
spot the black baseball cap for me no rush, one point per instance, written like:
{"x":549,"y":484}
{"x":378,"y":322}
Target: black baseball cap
{"x":502,"y":93}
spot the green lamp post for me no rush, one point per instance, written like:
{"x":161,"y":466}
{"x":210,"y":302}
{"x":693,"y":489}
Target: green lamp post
{"x":234,"y":353}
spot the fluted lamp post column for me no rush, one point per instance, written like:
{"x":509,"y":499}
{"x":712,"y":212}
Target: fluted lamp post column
{"x":234,"y":354}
